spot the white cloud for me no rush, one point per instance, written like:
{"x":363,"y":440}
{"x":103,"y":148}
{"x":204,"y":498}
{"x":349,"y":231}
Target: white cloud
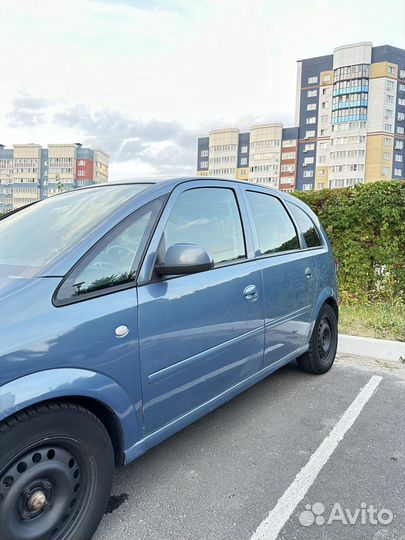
{"x":198,"y":63}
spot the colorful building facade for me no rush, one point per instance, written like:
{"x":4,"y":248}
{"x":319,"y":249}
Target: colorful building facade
{"x":350,"y":118}
{"x":29,"y":172}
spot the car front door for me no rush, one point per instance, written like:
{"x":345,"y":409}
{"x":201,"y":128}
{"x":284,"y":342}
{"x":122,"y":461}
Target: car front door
{"x":200,"y":333}
{"x":289,"y":278}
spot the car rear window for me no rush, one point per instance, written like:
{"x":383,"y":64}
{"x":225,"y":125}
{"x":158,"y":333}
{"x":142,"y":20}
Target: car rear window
{"x":307,"y":226}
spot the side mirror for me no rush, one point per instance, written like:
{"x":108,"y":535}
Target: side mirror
{"x":185,"y":259}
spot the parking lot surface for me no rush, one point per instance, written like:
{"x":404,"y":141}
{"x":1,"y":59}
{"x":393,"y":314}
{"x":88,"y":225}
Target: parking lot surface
{"x":222,"y":477}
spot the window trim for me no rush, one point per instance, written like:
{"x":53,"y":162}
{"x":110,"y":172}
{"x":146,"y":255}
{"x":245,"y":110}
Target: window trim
{"x":253,"y":224}
{"x":155,"y":279}
{"x":318,"y":230}
{"x":115,"y":288}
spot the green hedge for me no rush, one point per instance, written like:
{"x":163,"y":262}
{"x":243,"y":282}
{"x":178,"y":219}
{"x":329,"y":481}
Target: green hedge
{"x":366,"y":226}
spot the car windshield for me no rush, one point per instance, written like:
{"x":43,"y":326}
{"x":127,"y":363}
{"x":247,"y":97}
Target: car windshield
{"x":35,"y":236}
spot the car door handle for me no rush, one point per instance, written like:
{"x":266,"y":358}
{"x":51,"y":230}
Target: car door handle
{"x":250,"y":293}
{"x":308,"y":272}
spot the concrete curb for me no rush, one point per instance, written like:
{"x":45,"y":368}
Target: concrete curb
{"x":374,"y":348}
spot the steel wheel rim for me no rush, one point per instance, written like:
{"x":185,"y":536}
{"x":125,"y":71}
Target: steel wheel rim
{"x":325,"y":337}
{"x":43,"y":491}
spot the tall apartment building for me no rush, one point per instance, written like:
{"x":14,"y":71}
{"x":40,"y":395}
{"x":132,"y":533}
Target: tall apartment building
{"x":351,"y":115}
{"x":267,"y":154}
{"x":350,"y":118}
{"x":29,"y":172}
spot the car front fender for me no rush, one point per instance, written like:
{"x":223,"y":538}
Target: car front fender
{"x":67,"y":382}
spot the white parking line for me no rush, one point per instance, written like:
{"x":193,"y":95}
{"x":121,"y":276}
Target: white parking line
{"x":270,"y":527}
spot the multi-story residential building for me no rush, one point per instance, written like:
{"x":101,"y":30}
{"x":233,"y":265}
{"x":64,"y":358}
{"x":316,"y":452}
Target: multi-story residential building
{"x":267,"y":154}
{"x":350,"y":118}
{"x":29,"y":172}
{"x":351,"y":115}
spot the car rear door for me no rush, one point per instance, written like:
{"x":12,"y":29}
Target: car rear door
{"x":199,"y":334}
{"x":289,"y":276}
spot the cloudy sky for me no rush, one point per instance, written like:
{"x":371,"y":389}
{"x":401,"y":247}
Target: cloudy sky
{"x":143,"y":78}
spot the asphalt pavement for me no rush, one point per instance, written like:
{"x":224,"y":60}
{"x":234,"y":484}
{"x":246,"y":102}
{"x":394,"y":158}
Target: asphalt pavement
{"x":249,"y":470}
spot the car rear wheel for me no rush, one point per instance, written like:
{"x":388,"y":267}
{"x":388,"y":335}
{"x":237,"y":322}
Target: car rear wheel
{"x":323,"y":343}
{"x":56,"y":468}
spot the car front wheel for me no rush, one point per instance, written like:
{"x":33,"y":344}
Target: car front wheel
{"x":56,"y":468}
{"x":323,"y":343}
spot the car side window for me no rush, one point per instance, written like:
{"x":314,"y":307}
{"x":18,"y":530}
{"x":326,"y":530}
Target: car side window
{"x":274,"y":227}
{"x":208,"y":217}
{"x":114,"y":260}
{"x":307,"y":226}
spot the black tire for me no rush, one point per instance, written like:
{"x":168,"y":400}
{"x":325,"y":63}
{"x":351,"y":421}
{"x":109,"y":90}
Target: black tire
{"x":323,"y":343}
{"x":56,"y":469}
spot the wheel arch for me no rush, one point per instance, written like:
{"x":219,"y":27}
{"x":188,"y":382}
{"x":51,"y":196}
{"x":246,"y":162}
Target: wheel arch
{"x":101,"y":395}
{"x":333,"y":303}
{"x":106,"y":416}
{"x":327,"y":296}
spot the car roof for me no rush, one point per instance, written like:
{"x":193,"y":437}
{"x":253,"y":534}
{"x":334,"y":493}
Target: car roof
{"x":172,"y":181}
{"x":168,"y":183}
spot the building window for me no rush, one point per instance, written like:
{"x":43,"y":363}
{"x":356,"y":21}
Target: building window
{"x":243,"y":161}
{"x":398,"y":172}
{"x":388,"y":127}
{"x":311,"y":107}
{"x":308,"y":174}
{"x":308,"y":160}
{"x":309,"y":147}
{"x":307,"y":187}
{"x":391,"y":70}
{"x":402,"y":73}
{"x":389,"y":98}
{"x":387,"y":156}
{"x":398,"y":157}
{"x":204,"y":153}
{"x":323,"y":145}
{"x":324,"y":91}
{"x":385,"y":170}
{"x":312,"y":80}
{"x":324,"y":118}
{"x":387,"y":141}
{"x":323,"y":132}
{"x":399,"y":145}
{"x":289,"y":142}
{"x":310,"y":133}
{"x":390,"y":85}
{"x":324,"y":104}
{"x":321,"y":172}
{"x":243,"y":149}
{"x":288,"y":155}
{"x":204,"y":164}
{"x":400,"y":130}
{"x":401,"y":101}
{"x":401,"y":87}
{"x":401,"y":116}
{"x":312,"y":93}
{"x":311,"y":120}
{"x":326,"y":78}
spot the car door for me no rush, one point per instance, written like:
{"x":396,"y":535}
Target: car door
{"x":202,"y":333}
{"x":289,"y":278}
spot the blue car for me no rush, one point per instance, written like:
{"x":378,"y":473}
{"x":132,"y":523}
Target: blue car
{"x":128,"y":311}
